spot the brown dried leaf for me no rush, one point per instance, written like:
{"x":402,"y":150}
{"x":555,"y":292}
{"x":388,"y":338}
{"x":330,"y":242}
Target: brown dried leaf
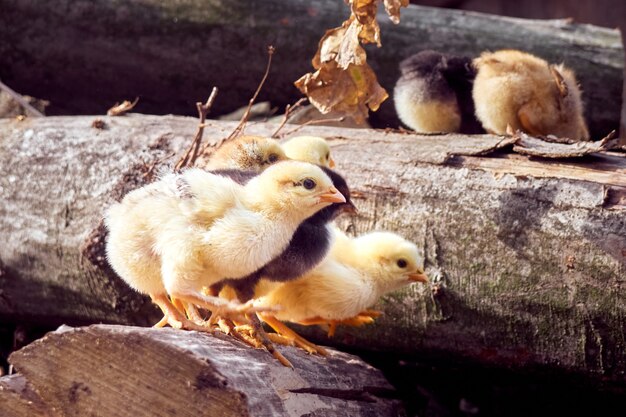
{"x":120,"y":109}
{"x":350,"y":91}
{"x":344,"y":82}
{"x":392,"y":7}
{"x":341,"y":45}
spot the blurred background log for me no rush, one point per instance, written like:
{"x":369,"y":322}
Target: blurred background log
{"x":130,"y":371}
{"x":527,"y":256}
{"x":83,"y":56}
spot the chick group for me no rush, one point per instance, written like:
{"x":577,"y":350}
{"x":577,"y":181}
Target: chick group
{"x":495,"y":92}
{"x":248,"y":235}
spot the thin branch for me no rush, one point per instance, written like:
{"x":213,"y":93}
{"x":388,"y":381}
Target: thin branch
{"x":192,"y":152}
{"x":314,"y":122}
{"x":17,"y":97}
{"x":246,"y":115}
{"x":289,"y":110}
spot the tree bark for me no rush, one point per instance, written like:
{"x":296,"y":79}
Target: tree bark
{"x":527,"y":256}
{"x":84,"y":56}
{"x":131,"y":371}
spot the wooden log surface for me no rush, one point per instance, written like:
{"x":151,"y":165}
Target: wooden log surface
{"x":84,"y":56}
{"x":131,"y":371}
{"x":527,"y":256}
{"x":18,"y":399}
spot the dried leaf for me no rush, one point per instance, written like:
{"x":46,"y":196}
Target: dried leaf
{"x":392,"y":7}
{"x":350,"y":91}
{"x":343,"y":81}
{"x":119,"y":109}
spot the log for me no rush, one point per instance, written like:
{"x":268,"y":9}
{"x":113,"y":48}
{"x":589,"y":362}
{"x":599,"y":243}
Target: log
{"x":18,"y":398}
{"x":180,"y":373}
{"x":171,"y":53}
{"x":527,"y":256}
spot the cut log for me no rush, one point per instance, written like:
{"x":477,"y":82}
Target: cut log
{"x":171,"y":53}
{"x":527,"y":256}
{"x":132,"y":371}
{"x":18,"y":399}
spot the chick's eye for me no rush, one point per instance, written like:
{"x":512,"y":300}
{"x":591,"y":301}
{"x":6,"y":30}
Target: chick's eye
{"x":328,"y":156}
{"x":308,"y":183}
{"x":272,"y":158}
{"x":402,"y":263}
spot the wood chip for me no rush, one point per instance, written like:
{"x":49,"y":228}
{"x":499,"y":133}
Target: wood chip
{"x":548,"y":148}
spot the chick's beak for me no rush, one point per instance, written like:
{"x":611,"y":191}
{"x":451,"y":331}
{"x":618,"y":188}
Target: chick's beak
{"x":332,"y":196}
{"x":418,"y":277}
{"x":331,"y":162}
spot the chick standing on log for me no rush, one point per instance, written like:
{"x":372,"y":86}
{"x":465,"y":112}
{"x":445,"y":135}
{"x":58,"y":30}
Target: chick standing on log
{"x":517,"y":89}
{"x":190,"y":230}
{"x":354,"y":275}
{"x":434,"y":93}
{"x":253,"y":153}
{"x":313,"y":149}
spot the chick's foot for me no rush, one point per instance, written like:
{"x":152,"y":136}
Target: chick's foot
{"x":173,"y":316}
{"x":287,"y":333}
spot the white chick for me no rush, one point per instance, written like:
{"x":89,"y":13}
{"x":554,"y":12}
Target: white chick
{"x":355,"y":274}
{"x":193,"y":229}
{"x":312,"y":149}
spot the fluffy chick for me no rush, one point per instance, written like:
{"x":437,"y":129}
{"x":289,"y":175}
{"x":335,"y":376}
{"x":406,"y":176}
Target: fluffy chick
{"x":308,"y":246}
{"x":517,"y":89}
{"x":313,"y":149}
{"x":350,"y":279}
{"x":434,"y":93}
{"x":190,"y":230}
{"x":253,"y":153}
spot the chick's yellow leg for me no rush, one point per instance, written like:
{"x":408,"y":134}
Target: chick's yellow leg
{"x":173,"y":316}
{"x":219,"y":307}
{"x":285,"y":331}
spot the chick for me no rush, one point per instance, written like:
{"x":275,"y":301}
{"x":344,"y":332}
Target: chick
{"x":253,"y":153}
{"x":308,"y":246}
{"x":516,"y":89}
{"x":349,"y":280}
{"x":190,"y":230}
{"x":313,"y":149}
{"x":434,"y":93}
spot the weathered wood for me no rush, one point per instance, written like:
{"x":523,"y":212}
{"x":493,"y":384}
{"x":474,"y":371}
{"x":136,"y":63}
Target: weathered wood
{"x":527,"y":255}
{"x":18,"y":399}
{"x":171,"y":53}
{"x":132,"y":371}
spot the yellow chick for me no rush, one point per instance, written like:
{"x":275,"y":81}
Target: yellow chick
{"x":190,"y":230}
{"x":516,"y":89}
{"x":347,"y":282}
{"x":312,"y":149}
{"x":253,"y":153}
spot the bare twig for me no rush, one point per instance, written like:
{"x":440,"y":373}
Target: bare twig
{"x":289,"y":110}
{"x":246,"y":115}
{"x":192,"y":152}
{"x":17,"y":97}
{"x":313,"y":122}
{"x":120,"y":109}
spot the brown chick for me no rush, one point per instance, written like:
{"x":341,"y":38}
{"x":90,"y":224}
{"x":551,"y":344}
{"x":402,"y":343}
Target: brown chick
{"x":517,"y":89}
{"x":253,"y":153}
